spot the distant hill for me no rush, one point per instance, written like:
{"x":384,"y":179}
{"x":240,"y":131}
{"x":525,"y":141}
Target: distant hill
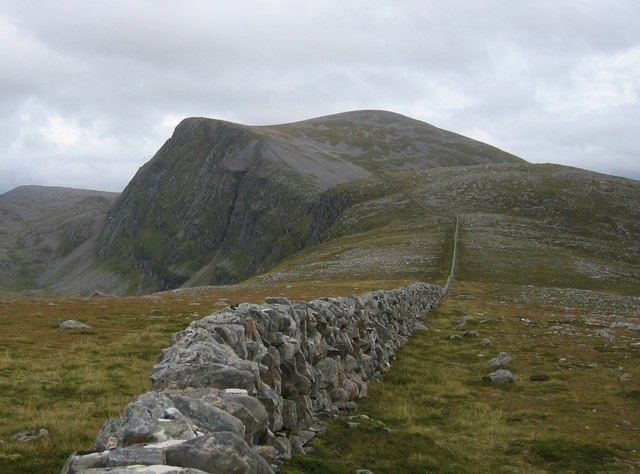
{"x":360,"y":195}
{"x":47,"y":239}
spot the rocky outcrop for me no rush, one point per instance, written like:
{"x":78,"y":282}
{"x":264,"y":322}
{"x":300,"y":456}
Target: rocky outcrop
{"x":240,"y":390}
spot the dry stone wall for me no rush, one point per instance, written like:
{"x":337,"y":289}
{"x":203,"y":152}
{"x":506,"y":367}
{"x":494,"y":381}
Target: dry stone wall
{"x":240,"y":390}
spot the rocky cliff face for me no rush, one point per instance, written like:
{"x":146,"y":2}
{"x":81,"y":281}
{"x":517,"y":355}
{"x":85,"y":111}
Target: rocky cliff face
{"x":209,"y":207}
{"x":220,"y":202}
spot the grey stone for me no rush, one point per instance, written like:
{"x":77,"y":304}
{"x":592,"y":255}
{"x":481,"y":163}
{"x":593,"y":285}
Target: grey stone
{"x":471,"y":334}
{"x":283,"y":445}
{"x":277,"y":300}
{"x":26,"y":436}
{"x":78,"y":462}
{"x":420,"y":327}
{"x":604,"y":333}
{"x":220,"y":453}
{"x":134,"y":455}
{"x":155,"y":469}
{"x":73,"y":324}
{"x":502,"y":359}
{"x":500,"y":376}
{"x":486,"y":343}
{"x":204,"y":375}
{"x":206,"y":417}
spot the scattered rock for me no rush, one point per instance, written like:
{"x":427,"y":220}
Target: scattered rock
{"x":486,"y":343}
{"x":420,"y":327}
{"x":604,"y":333}
{"x":499,"y":377}
{"x":502,"y":359}
{"x":98,"y":294}
{"x":25,"y":436}
{"x":626,"y":325}
{"x":455,"y":337}
{"x":363,"y":471}
{"x":471,"y":334}
{"x":73,"y":324}
{"x":625,"y":378}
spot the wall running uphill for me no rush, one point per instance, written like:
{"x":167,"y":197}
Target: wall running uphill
{"x":242,"y":389}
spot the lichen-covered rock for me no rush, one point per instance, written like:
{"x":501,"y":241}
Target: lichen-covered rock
{"x":220,"y":453}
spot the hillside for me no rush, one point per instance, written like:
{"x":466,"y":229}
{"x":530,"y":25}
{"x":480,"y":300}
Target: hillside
{"x":542,"y":225}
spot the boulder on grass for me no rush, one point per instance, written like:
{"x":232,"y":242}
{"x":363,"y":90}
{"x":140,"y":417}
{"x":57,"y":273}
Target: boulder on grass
{"x":73,"y":324}
{"x":499,"y":377}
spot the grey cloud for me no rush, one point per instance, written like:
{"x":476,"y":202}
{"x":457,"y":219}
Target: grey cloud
{"x":112,"y":77}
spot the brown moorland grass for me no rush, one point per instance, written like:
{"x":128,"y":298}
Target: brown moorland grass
{"x":71,"y":381}
{"x":441,"y":416}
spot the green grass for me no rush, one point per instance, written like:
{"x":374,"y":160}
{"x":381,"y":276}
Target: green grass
{"x":442,"y":418}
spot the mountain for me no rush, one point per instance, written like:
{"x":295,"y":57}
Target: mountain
{"x":220,"y":201}
{"x":361,"y":195}
{"x":47,"y":238}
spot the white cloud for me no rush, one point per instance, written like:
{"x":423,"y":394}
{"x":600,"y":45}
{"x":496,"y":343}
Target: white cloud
{"x":597,"y":82}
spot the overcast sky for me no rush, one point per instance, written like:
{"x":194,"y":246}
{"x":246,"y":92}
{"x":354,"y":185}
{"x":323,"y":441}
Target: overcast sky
{"x":90,"y":90}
